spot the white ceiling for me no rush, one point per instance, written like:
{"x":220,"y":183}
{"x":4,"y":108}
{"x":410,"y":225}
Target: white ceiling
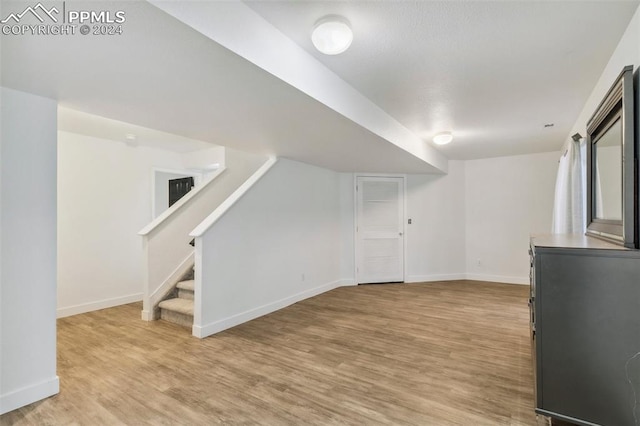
{"x":494,"y":72}
{"x":81,"y":123}
{"x":162,"y":74}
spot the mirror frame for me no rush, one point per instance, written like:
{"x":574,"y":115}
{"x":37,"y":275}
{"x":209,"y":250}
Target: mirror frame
{"x":618,"y":103}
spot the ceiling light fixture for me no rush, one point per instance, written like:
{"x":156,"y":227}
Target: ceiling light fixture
{"x":442,"y":138}
{"x":130,"y":139}
{"x":332,"y":35}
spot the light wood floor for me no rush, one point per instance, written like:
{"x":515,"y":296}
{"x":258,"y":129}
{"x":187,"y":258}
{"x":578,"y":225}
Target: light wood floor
{"x":454,"y":353}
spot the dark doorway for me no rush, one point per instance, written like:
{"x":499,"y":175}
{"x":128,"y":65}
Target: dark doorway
{"x":178,"y":188}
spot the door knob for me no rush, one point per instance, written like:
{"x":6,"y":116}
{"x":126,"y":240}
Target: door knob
{"x":400,"y":233}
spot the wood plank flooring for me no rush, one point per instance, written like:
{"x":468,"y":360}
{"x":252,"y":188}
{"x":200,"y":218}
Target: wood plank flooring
{"x":443,"y":353}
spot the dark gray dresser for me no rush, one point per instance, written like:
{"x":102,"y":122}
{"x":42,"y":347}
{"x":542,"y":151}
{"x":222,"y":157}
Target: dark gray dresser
{"x":585,"y":326}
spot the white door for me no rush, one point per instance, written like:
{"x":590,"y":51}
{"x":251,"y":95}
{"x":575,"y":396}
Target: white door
{"x":380,"y":229}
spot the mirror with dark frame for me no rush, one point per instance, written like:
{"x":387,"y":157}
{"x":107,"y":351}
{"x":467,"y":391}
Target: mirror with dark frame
{"x":612,"y":175}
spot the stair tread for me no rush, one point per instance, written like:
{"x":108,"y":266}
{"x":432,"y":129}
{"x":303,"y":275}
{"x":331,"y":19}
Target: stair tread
{"x":185,"y":285}
{"x":183,"y":306}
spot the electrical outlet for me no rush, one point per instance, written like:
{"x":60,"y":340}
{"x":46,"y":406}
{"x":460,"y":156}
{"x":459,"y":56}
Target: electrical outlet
{"x":302,"y":277}
{"x":479,"y":262}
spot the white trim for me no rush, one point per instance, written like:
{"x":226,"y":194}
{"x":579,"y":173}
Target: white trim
{"x":499,"y":279}
{"x":233,"y":198}
{"x":468,"y":277}
{"x":196,"y":173}
{"x":97,"y":305}
{"x":147,"y":315}
{"x":181,"y":202}
{"x":405,"y":266}
{"x":389,"y":175}
{"x":197,"y":281}
{"x":355,"y":228}
{"x":234,"y":320}
{"x":405,"y":214}
{"x":166,"y":286}
{"x":435,"y":277}
{"x":197,"y":179}
{"x":29,"y":394}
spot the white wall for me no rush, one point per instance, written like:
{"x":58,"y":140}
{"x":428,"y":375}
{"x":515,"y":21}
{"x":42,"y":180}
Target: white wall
{"x":234,"y":158}
{"x":484,"y":209}
{"x":626,"y":53}
{"x":436,"y":236}
{"x":205,"y":159}
{"x":166,"y":241}
{"x":104,"y":199}
{"x":507,"y":199}
{"x":278,"y":244}
{"x":347,"y":229}
{"x":28,"y":247}
{"x":501,"y":201}
{"x":480,"y":199}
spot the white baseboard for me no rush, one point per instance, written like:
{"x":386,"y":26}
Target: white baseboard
{"x":232,"y":321}
{"x":436,"y":277}
{"x":473,"y":277}
{"x":499,"y":279}
{"x":202,"y":331}
{"x":100,"y":304}
{"x":147,"y":316}
{"x":29,"y":394}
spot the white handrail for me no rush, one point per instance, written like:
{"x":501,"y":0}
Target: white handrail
{"x":233,"y":198}
{"x":178,"y":205}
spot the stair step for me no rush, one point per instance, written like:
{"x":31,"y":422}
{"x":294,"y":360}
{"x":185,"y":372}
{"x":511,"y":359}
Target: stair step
{"x":185,"y":289}
{"x":185,"y":294}
{"x":186,"y":285}
{"x":182,"y":306}
{"x":177,"y":311}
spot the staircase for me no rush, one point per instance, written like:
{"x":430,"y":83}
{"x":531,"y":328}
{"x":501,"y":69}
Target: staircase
{"x":178,"y":307}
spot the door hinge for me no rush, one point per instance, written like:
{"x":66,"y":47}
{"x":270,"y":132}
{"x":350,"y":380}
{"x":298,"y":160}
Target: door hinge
{"x":356,"y":188}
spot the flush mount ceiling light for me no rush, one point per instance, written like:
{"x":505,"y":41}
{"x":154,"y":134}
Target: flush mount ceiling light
{"x":130,"y":139}
{"x":442,"y":138}
{"x":332,"y":35}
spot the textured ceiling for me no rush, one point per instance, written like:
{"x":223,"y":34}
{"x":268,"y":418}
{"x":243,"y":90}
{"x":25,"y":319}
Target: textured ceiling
{"x":163,"y":75}
{"x":81,"y":123}
{"x":493,"y":72}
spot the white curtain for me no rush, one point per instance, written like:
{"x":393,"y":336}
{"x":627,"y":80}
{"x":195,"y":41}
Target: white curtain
{"x":598,"y":193}
{"x":569,"y":214}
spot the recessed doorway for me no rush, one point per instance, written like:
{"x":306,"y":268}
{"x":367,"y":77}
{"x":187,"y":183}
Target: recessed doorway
{"x":169,"y":186}
{"x":379,"y":229}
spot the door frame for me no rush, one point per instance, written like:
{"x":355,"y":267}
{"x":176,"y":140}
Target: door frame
{"x":356,"y":244}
